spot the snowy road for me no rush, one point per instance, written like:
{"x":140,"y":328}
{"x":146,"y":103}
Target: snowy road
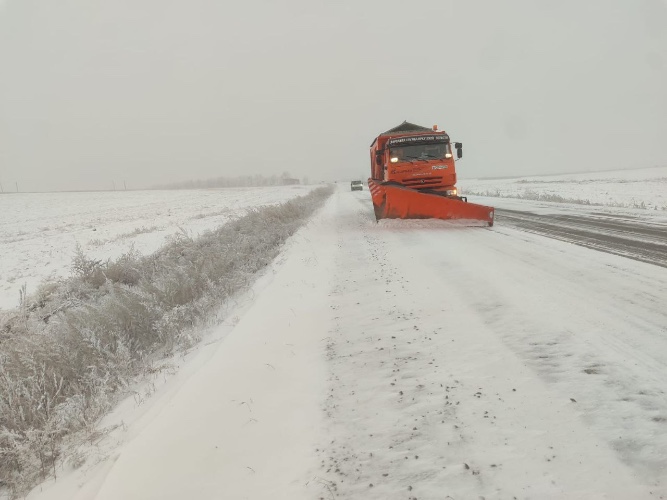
{"x":621,"y":235}
{"x":414,"y":359}
{"x":508,"y":363}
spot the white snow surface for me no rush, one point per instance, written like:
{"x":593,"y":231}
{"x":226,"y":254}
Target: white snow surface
{"x":402,"y":360}
{"x":39,"y":231}
{"x":639,"y":188}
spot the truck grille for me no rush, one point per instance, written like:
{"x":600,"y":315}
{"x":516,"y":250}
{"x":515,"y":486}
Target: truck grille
{"x":422,"y":181}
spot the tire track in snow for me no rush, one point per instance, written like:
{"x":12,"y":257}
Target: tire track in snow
{"x":381,"y":461}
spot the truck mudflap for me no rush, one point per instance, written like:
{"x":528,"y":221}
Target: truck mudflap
{"x":394,"y":201}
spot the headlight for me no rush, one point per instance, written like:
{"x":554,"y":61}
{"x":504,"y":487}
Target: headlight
{"x":394,"y":159}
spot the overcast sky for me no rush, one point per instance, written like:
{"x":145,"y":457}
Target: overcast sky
{"x":152,"y":91}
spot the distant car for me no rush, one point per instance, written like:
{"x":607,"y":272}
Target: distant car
{"x":356,"y":186}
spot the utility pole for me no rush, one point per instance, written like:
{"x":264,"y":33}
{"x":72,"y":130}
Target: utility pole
{"x":17,"y":186}
{"x":1,"y":190}
{"x":125,"y":185}
{"x":114,"y":185}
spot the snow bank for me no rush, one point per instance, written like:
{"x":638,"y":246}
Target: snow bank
{"x":641,"y":188}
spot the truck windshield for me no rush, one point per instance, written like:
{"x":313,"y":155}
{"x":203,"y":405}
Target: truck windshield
{"x":420,"y":152}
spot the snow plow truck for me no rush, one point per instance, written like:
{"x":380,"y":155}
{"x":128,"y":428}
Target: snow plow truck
{"x":413,"y":176}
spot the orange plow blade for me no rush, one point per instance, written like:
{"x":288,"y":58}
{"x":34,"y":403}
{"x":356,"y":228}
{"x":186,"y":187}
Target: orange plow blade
{"x":393,"y":201}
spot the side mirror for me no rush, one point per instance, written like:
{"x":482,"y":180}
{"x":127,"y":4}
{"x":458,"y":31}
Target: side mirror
{"x":459,"y":149}
{"x":378,"y":158}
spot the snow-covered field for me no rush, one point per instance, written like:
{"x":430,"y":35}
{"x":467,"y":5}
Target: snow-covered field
{"x":641,"y":188}
{"x":39,"y":232}
{"x":408,"y":360}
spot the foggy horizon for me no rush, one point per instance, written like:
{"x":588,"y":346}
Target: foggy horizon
{"x":154,"y":93}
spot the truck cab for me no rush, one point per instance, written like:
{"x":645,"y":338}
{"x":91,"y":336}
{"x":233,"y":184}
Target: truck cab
{"x":416,"y":157}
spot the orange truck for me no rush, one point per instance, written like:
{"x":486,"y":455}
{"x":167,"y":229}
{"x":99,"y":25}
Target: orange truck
{"x":413,"y":176}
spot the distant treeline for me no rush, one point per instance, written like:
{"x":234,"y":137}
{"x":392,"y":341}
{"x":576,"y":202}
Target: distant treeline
{"x":240,"y":181}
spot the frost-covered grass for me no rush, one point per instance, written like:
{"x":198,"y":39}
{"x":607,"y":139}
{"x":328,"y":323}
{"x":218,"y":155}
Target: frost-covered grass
{"x":70,"y":348}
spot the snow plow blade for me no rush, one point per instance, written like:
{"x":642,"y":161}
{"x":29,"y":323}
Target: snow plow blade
{"x":393,"y":201}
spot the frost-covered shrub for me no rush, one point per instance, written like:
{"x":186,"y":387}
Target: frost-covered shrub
{"x":86,"y":269}
{"x":74,"y":344}
{"x":125,"y":270}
